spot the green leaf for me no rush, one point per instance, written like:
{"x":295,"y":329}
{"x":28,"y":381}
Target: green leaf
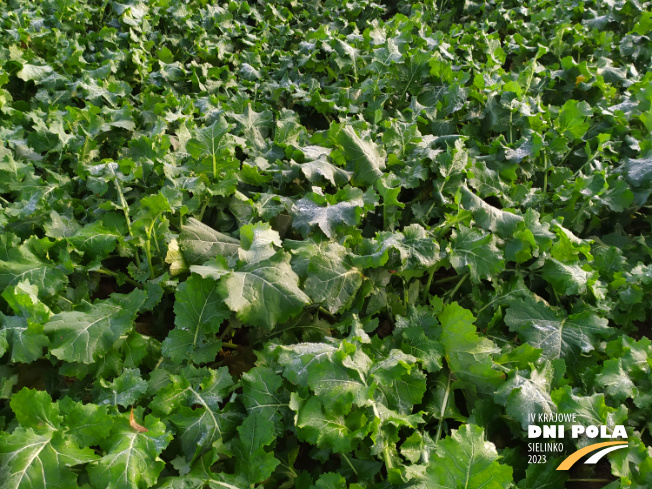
{"x":199,"y":429}
{"x":24,"y":331}
{"x":615,"y":381}
{"x":131,"y":457}
{"x":548,"y":328}
{"x":8,"y":379}
{"x":330,"y":480}
{"x":466,"y":459}
{"x":589,"y":410}
{"x":412,"y":447}
{"x":331,"y":280}
{"x":544,"y":476}
{"x":203,"y":386}
{"x":565,"y":279}
{"x":192,"y":401}
{"x":526,"y":396}
{"x":426,"y":350}
{"x":327,"y":429}
{"x":417,"y":250}
{"x":490,"y":218}
{"x":4,"y":345}
{"x":639,"y":171}
{"x":365,"y":158}
{"x":199,"y":311}
{"x":95,"y":240}
{"x":34,"y":409}
{"x":86,"y":334}
{"x":207,"y":141}
{"x":264,"y":293}
{"x":473,"y":251}
{"x":251,"y":459}
{"x":634,"y":355}
{"x":87,"y":424}
{"x":572,"y":119}
{"x":341,"y":380}
{"x":319,"y":170}
{"x":200,"y":243}
{"x":468,"y":355}
{"x":260,"y":393}
{"x":401,"y":385}
{"x":308,"y":213}
{"x":255,"y":127}
{"x":34,"y":72}
{"x":20,"y":263}
{"x":30,"y":460}
{"x":125,"y":390}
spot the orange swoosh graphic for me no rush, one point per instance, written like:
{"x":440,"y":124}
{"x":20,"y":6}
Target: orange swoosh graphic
{"x":574,"y":457}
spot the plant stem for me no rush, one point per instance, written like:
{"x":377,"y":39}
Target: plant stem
{"x":563,"y":160}
{"x":201,"y":212}
{"x":386,"y":455}
{"x":227,"y":330}
{"x":529,"y":80}
{"x":511,"y":114}
{"x":104,"y":271}
{"x":350,"y":464}
{"x":459,"y":284}
{"x":426,"y":291}
{"x":545,"y":173}
{"x":587,"y":162}
{"x":589,"y":480}
{"x":447,"y":225}
{"x":148,"y":247}
{"x":148,"y":252}
{"x":385,"y":226}
{"x":445,"y":280}
{"x":83,"y":151}
{"x":442,"y":411}
{"x":125,"y":210}
{"x":326,"y":313}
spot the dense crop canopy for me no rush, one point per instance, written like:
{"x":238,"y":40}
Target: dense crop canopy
{"x":322,"y":244}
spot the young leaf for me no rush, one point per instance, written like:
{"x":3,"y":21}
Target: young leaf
{"x":208,"y":140}
{"x":199,"y":312}
{"x":192,"y":402}
{"x":365,"y":158}
{"x":468,"y":355}
{"x":35,"y":409}
{"x":251,"y":459}
{"x":473,"y":251}
{"x":466,"y":459}
{"x":125,"y":390}
{"x":131,"y":458}
{"x":88,"y":424}
{"x":24,"y":331}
